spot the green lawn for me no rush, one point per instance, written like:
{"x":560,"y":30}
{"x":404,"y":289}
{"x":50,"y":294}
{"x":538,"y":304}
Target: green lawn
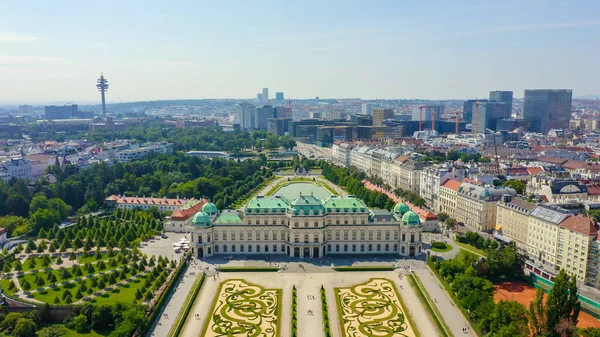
{"x":73,"y":333}
{"x":4,"y":285}
{"x":26,"y":267}
{"x":49,"y":294}
{"x":31,"y":277}
{"x":124,"y":293}
{"x":467,"y":247}
{"x":447,"y":249}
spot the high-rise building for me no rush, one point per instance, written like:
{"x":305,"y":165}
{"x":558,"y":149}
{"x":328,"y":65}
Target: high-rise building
{"x":246,"y":116}
{"x":367,"y":108}
{"x":26,"y":109}
{"x":380,"y":114}
{"x":279,"y":96}
{"x":505,"y":97}
{"x":265,"y":94}
{"x":468,"y":109}
{"x":428,"y":112}
{"x":259,"y":97}
{"x":262,"y":115}
{"x":488,"y":115}
{"x":547,"y":109}
{"x":60,"y":112}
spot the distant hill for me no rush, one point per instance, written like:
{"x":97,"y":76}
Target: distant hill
{"x":588,"y":97}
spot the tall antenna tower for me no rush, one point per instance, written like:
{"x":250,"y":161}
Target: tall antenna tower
{"x":102,"y":85}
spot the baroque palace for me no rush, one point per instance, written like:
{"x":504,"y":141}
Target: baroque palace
{"x":306,"y":227}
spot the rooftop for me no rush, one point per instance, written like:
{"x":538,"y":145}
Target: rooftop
{"x":581,"y":224}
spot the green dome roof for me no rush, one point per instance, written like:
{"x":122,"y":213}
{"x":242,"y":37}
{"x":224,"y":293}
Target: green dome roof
{"x":201,"y":219}
{"x":411,"y":218}
{"x":401,"y":208}
{"x":209,"y":208}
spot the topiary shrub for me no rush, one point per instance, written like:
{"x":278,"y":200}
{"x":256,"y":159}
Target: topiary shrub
{"x":439,"y":245}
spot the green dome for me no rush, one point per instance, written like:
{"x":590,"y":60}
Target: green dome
{"x":411,"y":218}
{"x":401,"y":208}
{"x":201,"y":219}
{"x":209,"y":208}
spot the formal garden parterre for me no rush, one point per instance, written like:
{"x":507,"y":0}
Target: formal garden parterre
{"x":372,"y":308}
{"x":241,"y":308}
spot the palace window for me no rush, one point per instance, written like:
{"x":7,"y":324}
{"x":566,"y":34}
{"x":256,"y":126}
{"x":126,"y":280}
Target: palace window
{"x":305,"y":238}
{"x":353,"y":235}
{"x":337,"y":234}
{"x":387,"y":235}
{"x":345,"y":235}
{"x":362,"y":248}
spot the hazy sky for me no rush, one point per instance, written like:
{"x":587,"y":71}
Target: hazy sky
{"x":150,"y":50}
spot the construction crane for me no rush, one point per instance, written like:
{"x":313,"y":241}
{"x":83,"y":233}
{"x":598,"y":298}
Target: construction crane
{"x":421,"y":117}
{"x":456,"y":122}
{"x":475,"y":118}
{"x":495,"y":151}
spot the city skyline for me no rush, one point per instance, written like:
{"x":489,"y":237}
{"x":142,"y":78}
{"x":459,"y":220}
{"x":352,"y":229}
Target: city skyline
{"x":385,"y":50}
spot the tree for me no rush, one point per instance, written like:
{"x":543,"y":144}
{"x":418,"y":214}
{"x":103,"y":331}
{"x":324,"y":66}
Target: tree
{"x":509,"y":318}
{"x":31,"y":246}
{"x":40,"y":281}
{"x":80,"y":323}
{"x":9,"y":322}
{"x":24,"y":327}
{"x":138,"y":294}
{"x":56,"y":300}
{"x":562,"y":303}
{"x":450,"y":223}
{"x":518,"y":185}
{"x":25,"y":285}
{"x":442,"y":216}
{"x":59,"y":260}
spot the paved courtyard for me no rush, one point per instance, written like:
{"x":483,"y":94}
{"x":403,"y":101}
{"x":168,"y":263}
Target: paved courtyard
{"x":308,"y":286}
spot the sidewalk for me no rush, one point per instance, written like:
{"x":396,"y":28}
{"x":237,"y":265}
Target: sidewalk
{"x":167,"y":317}
{"x":451,"y":314}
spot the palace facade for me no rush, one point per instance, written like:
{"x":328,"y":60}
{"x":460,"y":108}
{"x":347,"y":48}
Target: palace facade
{"x":306,"y":227}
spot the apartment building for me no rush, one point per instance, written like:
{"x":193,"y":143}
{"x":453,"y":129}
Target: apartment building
{"x":138,"y":153}
{"x":542,"y":237}
{"x":575,"y":236}
{"x":557,"y":190}
{"x":410,"y":175}
{"x":476,"y":205}
{"x":448,"y":196}
{"x":512,"y":220}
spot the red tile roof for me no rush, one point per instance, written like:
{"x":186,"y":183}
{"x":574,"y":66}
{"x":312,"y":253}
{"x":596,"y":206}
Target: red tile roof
{"x":146,"y":201}
{"x":422,"y":213}
{"x":581,"y":224}
{"x":535,"y":170}
{"x":552,"y":160}
{"x":593,"y":189}
{"x":452,"y":184}
{"x":184,"y":214}
{"x":574,"y":165}
{"x":467,"y":180}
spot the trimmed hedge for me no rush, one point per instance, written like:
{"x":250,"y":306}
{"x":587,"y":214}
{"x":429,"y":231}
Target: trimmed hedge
{"x":248,"y":269}
{"x":364,"y":268}
{"x":187,"y":307}
{"x":294,"y":313}
{"x":439,"y":245}
{"x":326,"y":325}
{"x":161,"y":302}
